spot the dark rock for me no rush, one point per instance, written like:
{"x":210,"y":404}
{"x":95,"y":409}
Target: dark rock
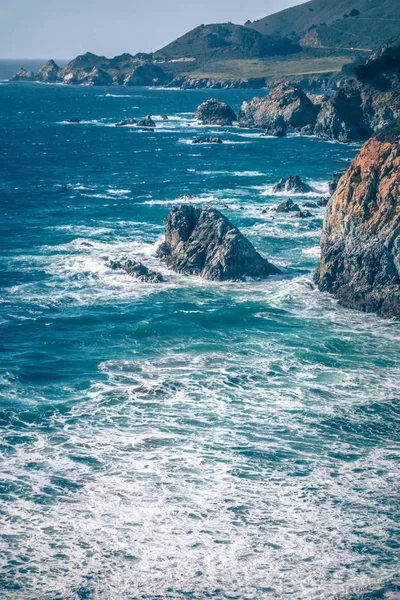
{"x":288,"y":206}
{"x":125,"y":122}
{"x":201,"y":241}
{"x":336,"y":177}
{"x":164,"y":118}
{"x":24,"y":75}
{"x":323,"y":201}
{"x":88,"y":244}
{"x":311,"y":205}
{"x":50,"y":72}
{"x":276,"y":126}
{"x":207,"y":140}
{"x":361,"y":237}
{"x":303,"y":214}
{"x":147,"y":74}
{"x":292,"y":185}
{"x":213,"y":112}
{"x":286,"y":101}
{"x":146,"y":122}
{"x":136,"y":270}
{"x":73,"y":121}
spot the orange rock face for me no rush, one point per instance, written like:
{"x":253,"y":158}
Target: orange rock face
{"x":361,"y":237}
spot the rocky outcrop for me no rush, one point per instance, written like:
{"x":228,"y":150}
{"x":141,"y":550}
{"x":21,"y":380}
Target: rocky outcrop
{"x":275,"y":126}
{"x":285,"y":102}
{"x":125,"y":122}
{"x":336,"y":177}
{"x":23,"y":75}
{"x":213,"y":112}
{"x":288,"y":206}
{"x":146,"y":122}
{"x":207,"y":140}
{"x":49,"y":73}
{"x":292,"y":185}
{"x":147,"y":74}
{"x":201,"y":241}
{"x":361,"y":237}
{"x":136,"y":270}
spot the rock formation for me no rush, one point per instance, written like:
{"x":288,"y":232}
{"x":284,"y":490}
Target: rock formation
{"x":23,"y":75}
{"x":286,"y":104}
{"x":49,"y":73}
{"x":213,"y":112}
{"x":136,"y":270}
{"x":201,"y":241}
{"x":207,"y":140}
{"x":361,"y":237}
{"x":336,"y":177}
{"x":146,"y":122}
{"x":146,"y":74}
{"x":125,"y":122}
{"x":288,"y":206}
{"x":292,"y":185}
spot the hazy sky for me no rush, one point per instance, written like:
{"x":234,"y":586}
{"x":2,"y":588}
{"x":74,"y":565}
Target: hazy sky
{"x":66,"y":28}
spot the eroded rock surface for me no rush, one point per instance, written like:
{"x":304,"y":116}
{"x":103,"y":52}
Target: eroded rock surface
{"x":136,"y":270}
{"x":201,"y":241}
{"x":213,"y":112}
{"x":361,"y":237}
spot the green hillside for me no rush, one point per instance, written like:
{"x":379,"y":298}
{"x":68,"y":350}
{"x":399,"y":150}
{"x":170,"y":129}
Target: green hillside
{"x":347,"y":24}
{"x":227,"y":41}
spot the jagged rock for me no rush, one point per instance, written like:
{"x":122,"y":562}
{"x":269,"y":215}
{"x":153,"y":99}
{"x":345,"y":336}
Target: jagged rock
{"x":201,"y":241}
{"x":311,"y":205}
{"x":136,"y":270}
{"x":23,"y":75}
{"x":147,"y":74}
{"x":207,"y":140}
{"x":303,"y":214}
{"x":323,"y":201}
{"x":360,"y":243}
{"x":336,"y":177}
{"x":276,"y":126}
{"x":288,"y":206}
{"x":292,"y":185}
{"x":49,"y":72}
{"x":146,"y":122}
{"x":164,"y":118}
{"x":125,"y":122}
{"x":213,"y":112}
{"x":286,"y":101}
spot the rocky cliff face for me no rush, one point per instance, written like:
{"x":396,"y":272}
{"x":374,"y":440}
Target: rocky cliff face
{"x":201,"y":241}
{"x":285,"y":102}
{"x":361,"y":238}
{"x":49,"y":73}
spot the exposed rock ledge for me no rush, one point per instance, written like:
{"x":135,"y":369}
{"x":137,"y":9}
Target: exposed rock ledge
{"x":361,"y":238}
{"x":201,"y":241}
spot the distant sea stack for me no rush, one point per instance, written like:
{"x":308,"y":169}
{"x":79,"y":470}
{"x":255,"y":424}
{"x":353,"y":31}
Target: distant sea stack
{"x":361,"y":237}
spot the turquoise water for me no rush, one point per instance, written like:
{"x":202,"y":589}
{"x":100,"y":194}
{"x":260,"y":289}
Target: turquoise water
{"x":193,"y":439}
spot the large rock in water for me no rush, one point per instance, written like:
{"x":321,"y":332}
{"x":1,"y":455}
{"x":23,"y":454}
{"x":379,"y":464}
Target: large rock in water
{"x":213,"y":112}
{"x":361,"y":238}
{"x":287,"y":102}
{"x":292,"y":185}
{"x":50,"y":72}
{"x":201,"y":241}
{"x":23,"y":75}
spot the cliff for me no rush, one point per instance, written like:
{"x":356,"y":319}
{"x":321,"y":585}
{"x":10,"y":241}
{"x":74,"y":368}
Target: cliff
{"x":360,"y":243}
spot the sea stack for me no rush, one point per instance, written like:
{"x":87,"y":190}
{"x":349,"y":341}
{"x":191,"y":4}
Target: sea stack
{"x":361,"y":237}
{"x":202,"y":241}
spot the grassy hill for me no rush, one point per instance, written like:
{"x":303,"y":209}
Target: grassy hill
{"x":227,"y":41}
{"x":346,"y":24}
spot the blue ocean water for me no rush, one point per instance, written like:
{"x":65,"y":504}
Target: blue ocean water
{"x":192,"y":439}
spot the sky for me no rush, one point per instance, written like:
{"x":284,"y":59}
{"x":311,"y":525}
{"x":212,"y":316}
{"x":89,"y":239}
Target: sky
{"x":66,"y":28}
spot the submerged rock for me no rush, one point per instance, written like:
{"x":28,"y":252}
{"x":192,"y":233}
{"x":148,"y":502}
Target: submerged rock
{"x":292,"y":185}
{"x":207,"y":140}
{"x":213,"y":112}
{"x":146,"y":122}
{"x":201,"y":241}
{"x":288,"y":206}
{"x":303,"y":214}
{"x":125,"y":122}
{"x":73,"y":121}
{"x":136,"y":270}
{"x":360,"y":243}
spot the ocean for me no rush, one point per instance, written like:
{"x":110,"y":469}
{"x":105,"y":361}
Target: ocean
{"x":192,"y":439}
